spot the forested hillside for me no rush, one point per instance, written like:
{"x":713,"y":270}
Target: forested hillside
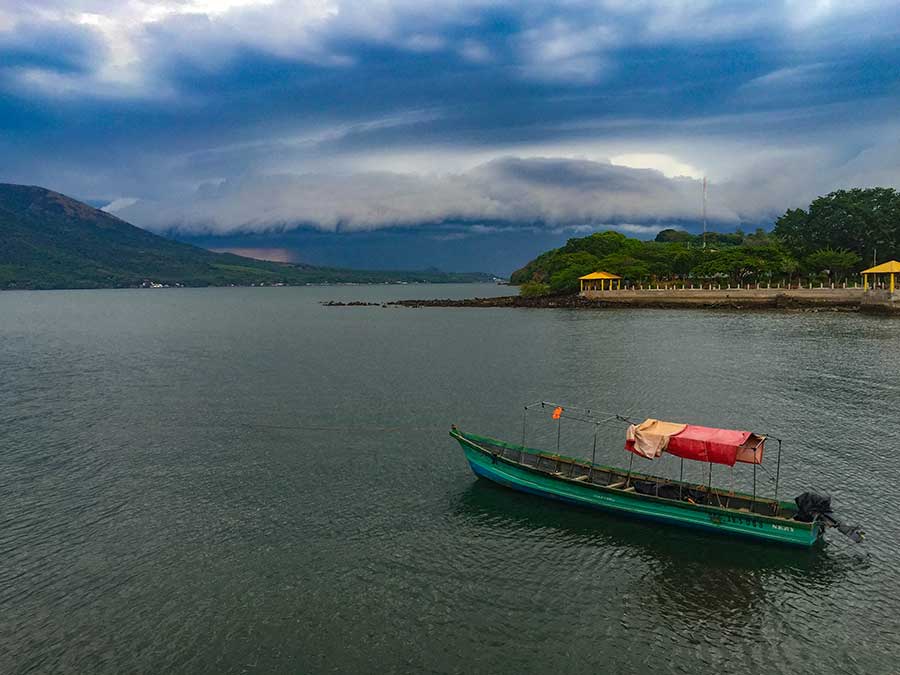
{"x":827,"y":242}
{"x":48,"y":240}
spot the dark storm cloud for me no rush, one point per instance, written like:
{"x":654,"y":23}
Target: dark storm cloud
{"x":228,"y":115}
{"x":64,"y":49}
{"x":535,"y":192}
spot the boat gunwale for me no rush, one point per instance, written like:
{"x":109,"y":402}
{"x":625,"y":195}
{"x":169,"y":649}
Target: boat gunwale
{"x":707,"y":508}
{"x":537,"y":452}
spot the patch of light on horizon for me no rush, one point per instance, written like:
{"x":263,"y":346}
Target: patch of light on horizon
{"x":665,"y":164}
{"x":119,"y":204}
{"x":451,"y":160}
{"x":282,"y":255}
{"x":630,"y":228}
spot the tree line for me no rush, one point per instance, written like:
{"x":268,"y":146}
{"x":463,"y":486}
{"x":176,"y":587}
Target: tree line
{"x":827,"y":243}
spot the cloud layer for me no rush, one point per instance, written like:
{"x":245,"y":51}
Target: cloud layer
{"x":537,"y":192}
{"x":549,"y":193}
{"x":341,"y":115}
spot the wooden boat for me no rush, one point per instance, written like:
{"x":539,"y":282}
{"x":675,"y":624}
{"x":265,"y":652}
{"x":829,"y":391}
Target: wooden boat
{"x":585,"y":483}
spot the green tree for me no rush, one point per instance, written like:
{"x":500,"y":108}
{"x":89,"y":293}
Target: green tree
{"x":788,"y":266}
{"x":790,"y":229}
{"x":722,"y":239}
{"x":758,"y":239}
{"x":533,"y":289}
{"x":599,"y":244}
{"x":566,"y":280}
{"x":542,"y":268}
{"x":858,"y":220}
{"x":835,"y":263}
{"x":567,"y":267}
{"x":733,"y":263}
{"x":626,"y":266}
{"x":683,"y":261}
{"x":672,"y":236}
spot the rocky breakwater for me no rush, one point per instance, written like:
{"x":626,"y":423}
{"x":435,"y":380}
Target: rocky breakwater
{"x":738,"y":299}
{"x":502,"y":301}
{"x":804,"y":299}
{"x":354,"y":303}
{"x":571,"y":301}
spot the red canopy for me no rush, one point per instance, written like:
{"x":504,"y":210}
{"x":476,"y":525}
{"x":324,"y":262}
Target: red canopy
{"x":719,"y":446}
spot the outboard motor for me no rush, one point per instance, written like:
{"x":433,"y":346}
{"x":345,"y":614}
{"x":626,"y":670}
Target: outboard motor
{"x":813,"y":507}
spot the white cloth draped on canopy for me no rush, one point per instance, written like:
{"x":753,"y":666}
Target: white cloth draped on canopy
{"x":651,"y":437}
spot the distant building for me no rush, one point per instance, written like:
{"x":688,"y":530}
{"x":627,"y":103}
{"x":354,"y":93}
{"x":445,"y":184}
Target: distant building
{"x":882,"y":274}
{"x":600,"y":281}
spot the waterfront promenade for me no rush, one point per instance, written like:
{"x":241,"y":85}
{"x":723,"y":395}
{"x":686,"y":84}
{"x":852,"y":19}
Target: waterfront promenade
{"x":752,"y":295}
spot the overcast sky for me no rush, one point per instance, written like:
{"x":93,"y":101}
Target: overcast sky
{"x":452,"y":123}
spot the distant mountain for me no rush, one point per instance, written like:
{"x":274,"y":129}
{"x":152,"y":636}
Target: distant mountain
{"x":48,"y":240}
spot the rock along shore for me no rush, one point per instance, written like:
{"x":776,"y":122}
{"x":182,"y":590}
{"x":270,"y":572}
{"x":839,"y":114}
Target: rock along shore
{"x":502,"y":301}
{"x":576,"y":302}
{"x":797,"y":299}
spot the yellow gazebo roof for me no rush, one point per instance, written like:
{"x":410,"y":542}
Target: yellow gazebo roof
{"x":603,"y":275}
{"x":884,"y":268}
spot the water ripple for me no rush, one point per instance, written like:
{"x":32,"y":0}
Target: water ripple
{"x":234,"y":481}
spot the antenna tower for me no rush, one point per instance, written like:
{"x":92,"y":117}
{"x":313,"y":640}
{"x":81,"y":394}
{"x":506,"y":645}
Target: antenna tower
{"x":704,"y":211}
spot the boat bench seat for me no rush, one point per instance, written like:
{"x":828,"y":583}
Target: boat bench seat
{"x":616,"y":485}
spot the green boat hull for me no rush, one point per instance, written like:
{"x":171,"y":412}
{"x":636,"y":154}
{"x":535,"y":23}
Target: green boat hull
{"x":732,"y":522}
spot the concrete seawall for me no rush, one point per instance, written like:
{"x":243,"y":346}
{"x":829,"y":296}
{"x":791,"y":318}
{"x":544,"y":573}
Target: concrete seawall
{"x":881,"y":302}
{"x":705,"y":297}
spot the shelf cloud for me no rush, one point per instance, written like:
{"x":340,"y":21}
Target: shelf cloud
{"x":538,"y":191}
{"x":223,"y":116}
{"x":541,"y":192}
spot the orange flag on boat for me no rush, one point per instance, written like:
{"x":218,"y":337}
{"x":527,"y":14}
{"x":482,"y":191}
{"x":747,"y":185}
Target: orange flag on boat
{"x":557,"y":412}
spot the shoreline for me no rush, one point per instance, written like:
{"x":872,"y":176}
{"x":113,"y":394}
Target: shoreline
{"x":751,"y":300}
{"x":575,"y":302}
{"x":180,"y":286}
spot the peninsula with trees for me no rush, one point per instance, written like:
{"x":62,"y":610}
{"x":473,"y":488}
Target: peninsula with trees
{"x":824,"y":244}
{"x":813,"y":257}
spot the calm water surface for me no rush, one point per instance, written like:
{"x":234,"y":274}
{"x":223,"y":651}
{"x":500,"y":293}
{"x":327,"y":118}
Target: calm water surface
{"x":241,"y":480}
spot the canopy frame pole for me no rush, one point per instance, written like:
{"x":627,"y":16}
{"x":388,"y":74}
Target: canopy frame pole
{"x":753,"y":503}
{"x":681,"y":479}
{"x":593,"y":455}
{"x":524,"y":421}
{"x":709,"y":481}
{"x":657,"y":484}
{"x":630,"y":464}
{"x":777,"y":476}
{"x":728,"y":500}
{"x":558,"y":432}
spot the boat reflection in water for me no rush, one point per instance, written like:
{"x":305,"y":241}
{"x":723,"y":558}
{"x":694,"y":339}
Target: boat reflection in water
{"x":634,"y":563}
